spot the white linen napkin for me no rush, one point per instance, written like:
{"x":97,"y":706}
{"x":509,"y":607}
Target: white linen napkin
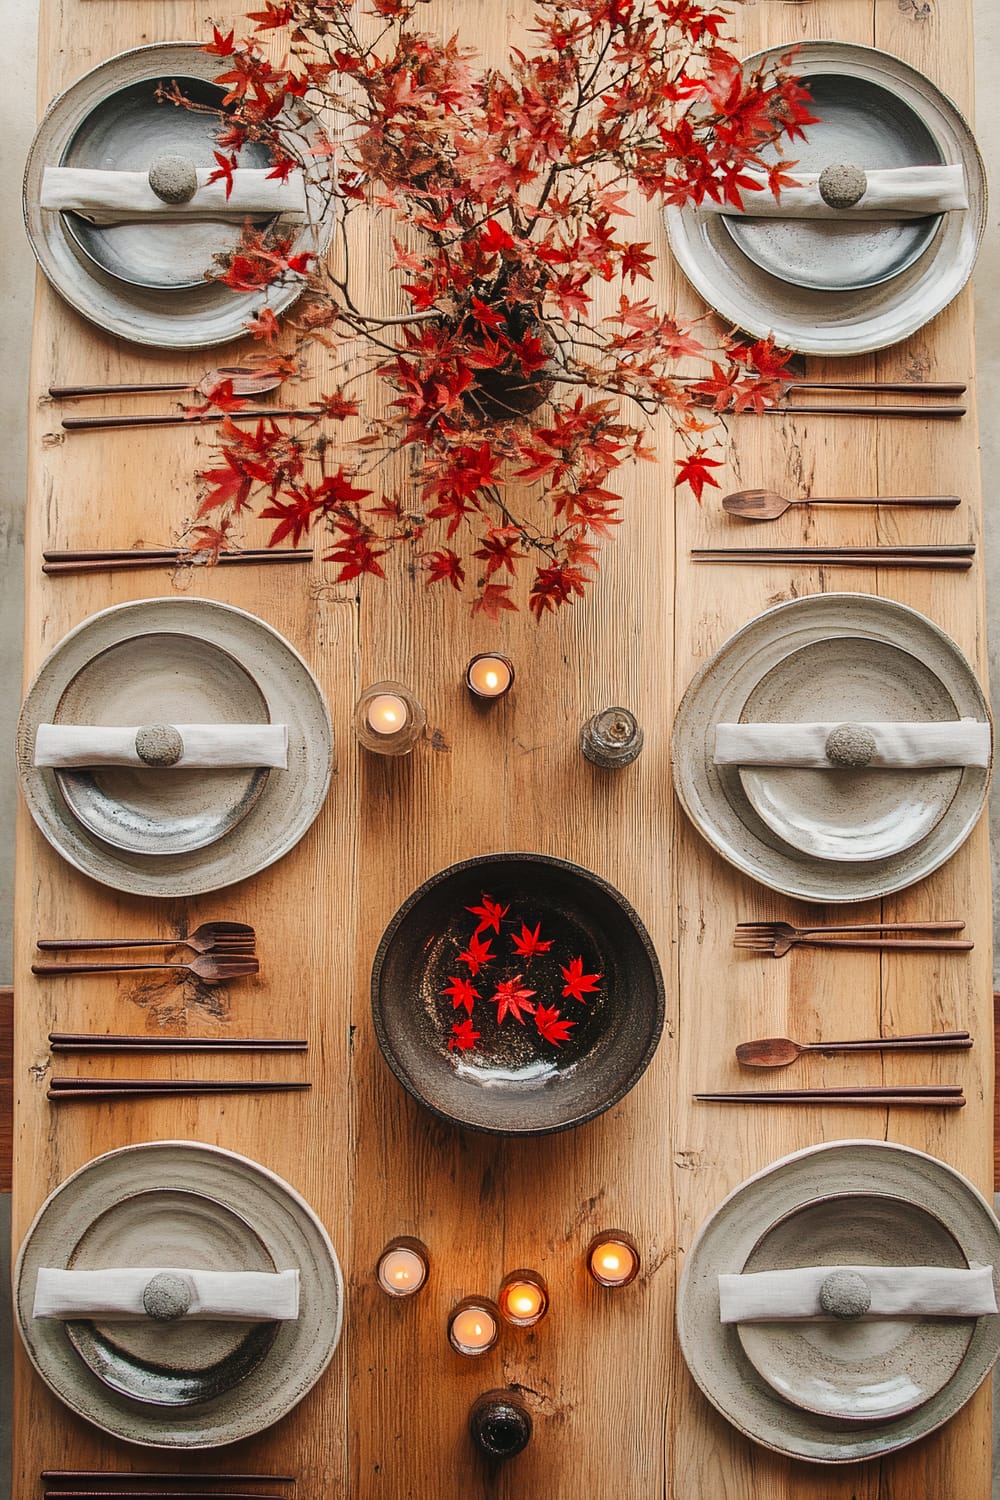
{"x":206,"y":746}
{"x":116,"y":1294}
{"x":893,"y":193}
{"x":121,"y":197}
{"x":954,"y":742}
{"x":896,"y":1291}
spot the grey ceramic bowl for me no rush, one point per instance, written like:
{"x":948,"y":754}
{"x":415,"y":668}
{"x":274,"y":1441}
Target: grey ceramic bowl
{"x":514,"y":1081}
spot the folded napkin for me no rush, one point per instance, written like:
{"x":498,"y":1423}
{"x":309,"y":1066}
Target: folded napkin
{"x":896,"y":1291}
{"x":247,"y":1296}
{"x":204,"y":746}
{"x":955,"y":742}
{"x":894,"y":193}
{"x":119,"y":197}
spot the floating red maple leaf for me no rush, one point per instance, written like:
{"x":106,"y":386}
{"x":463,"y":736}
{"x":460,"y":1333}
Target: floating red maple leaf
{"x":461,"y":993}
{"x":463,"y":1037}
{"x":511,"y":996}
{"x":578,"y":984}
{"x":528,"y":943}
{"x":550,"y":1025}
{"x":477,"y":953}
{"x":489,"y":914}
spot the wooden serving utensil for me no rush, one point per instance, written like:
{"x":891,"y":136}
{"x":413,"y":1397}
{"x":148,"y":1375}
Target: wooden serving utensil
{"x":207,"y":967}
{"x":246,"y":381}
{"x":181,"y":419}
{"x":780,"y":1051}
{"x":930,"y":1096}
{"x":768,"y":505}
{"x":209,"y":936}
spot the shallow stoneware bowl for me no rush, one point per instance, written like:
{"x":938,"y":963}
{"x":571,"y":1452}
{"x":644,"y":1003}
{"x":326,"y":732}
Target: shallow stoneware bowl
{"x":514,"y":1080}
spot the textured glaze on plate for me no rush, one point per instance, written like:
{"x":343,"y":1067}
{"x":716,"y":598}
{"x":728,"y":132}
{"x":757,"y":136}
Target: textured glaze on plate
{"x":854,"y":814}
{"x":290,"y":799}
{"x":713,"y":796}
{"x":875,"y":1368}
{"x":294,"y":1237}
{"x":161,"y":679}
{"x":126,"y":132}
{"x":713,"y":1351}
{"x":511,"y":1083}
{"x":193,"y":318}
{"x":846,"y":322}
{"x":865,"y":125}
{"x":183,"y":1362}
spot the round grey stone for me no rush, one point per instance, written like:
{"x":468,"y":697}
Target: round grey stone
{"x":159,"y":744}
{"x":841,"y":185}
{"x":168,"y":1296}
{"x":851,"y":746}
{"x":845,"y":1294}
{"x":174,"y":179}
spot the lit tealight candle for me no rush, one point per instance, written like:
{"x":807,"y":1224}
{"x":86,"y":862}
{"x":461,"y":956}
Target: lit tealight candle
{"x":473,"y":1326}
{"x":489,"y":676}
{"x":613,"y":1259}
{"x":402,"y":1268}
{"x":387,"y":714}
{"x":524,"y":1298}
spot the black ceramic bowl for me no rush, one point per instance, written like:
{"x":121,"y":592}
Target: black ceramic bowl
{"x":516,"y":1079}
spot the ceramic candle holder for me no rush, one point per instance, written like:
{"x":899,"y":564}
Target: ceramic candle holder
{"x":489,"y":676}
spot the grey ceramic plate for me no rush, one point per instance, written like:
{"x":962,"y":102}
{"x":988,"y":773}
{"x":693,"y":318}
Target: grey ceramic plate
{"x":713,"y":796}
{"x":294,"y":1237}
{"x":856,"y":321}
{"x":181,"y":1363}
{"x":850,"y":815}
{"x":867,"y":126}
{"x":191,"y":318}
{"x":876,"y":1368}
{"x":172,"y":679}
{"x":126,"y":132}
{"x":289,"y":801}
{"x":713,"y":1351}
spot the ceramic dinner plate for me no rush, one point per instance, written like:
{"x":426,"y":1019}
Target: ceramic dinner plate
{"x":169,"y":679}
{"x":94,"y":270}
{"x":95,"y":1209}
{"x":874,"y":1368}
{"x":726,"y":1241}
{"x":849,"y":815}
{"x":186,"y":631}
{"x":714,"y":797}
{"x":858,"y":319}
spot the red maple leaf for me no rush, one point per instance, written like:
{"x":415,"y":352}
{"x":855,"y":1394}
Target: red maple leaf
{"x":443,"y":565}
{"x":461,"y":993}
{"x":264,"y":326}
{"x":578,"y":984}
{"x":528,"y":943}
{"x":477,"y":953}
{"x":693,"y":470}
{"x":493,"y":598}
{"x":510,"y":996}
{"x":550,"y":1024}
{"x":224,"y":172}
{"x":490,"y":914}
{"x":463,"y":1037}
{"x":228,"y":486}
{"x":495,"y":238}
{"x":220,"y":46}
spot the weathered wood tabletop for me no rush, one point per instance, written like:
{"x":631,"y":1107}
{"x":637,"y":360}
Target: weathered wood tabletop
{"x":616,"y":1412}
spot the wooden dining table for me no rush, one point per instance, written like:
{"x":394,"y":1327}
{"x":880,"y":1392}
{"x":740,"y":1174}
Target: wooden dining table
{"x":615,"y":1410}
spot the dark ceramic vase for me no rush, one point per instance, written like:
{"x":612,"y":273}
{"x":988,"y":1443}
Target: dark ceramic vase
{"x":500,"y":1425}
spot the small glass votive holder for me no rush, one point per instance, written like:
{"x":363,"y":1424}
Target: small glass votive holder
{"x":613,"y":1258}
{"x":489,"y":676}
{"x":523,"y":1298}
{"x":611,"y":738}
{"x":403,"y":1267}
{"x":388,"y":719}
{"x":474,"y":1326}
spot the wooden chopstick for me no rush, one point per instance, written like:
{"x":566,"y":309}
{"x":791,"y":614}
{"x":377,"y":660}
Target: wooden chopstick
{"x":908,"y":549}
{"x":870,"y":409}
{"x":903,"y":387}
{"x":936,"y":1097}
{"x":84,"y":1041}
{"x":64,"y":1475}
{"x":159,"y":1494}
{"x":771,"y":927}
{"x":824,"y":558}
{"x":112,"y":554}
{"x":124,"y":564}
{"x":178,"y":419}
{"x":131,"y":1088}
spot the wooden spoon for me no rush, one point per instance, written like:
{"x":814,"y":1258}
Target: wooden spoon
{"x":767,"y":505}
{"x":246,"y":382}
{"x":779,"y":1051}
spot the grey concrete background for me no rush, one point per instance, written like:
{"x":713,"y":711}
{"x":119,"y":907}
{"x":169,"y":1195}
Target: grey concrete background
{"x":18,"y":21}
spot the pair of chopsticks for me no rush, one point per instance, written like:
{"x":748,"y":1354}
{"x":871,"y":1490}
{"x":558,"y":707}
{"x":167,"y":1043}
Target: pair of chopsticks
{"x":89,"y":1041}
{"x":61,"y":1089}
{"x":950,"y":557}
{"x":181,"y":419}
{"x":73,"y":1477}
{"x":790,"y":406}
{"x":930,"y":1095}
{"x":117,"y":560}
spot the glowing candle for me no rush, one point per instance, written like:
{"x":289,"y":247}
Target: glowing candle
{"x":402,"y":1268}
{"x":473,"y":1326}
{"x":613,"y":1259}
{"x":387,"y":714}
{"x":524,"y":1298}
{"x":489,"y":676}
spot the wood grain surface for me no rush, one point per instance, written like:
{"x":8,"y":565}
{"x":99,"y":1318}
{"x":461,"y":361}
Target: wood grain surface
{"x":615,"y":1410}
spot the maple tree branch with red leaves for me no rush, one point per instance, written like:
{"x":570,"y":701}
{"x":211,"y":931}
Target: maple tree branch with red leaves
{"x":502,"y":378}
